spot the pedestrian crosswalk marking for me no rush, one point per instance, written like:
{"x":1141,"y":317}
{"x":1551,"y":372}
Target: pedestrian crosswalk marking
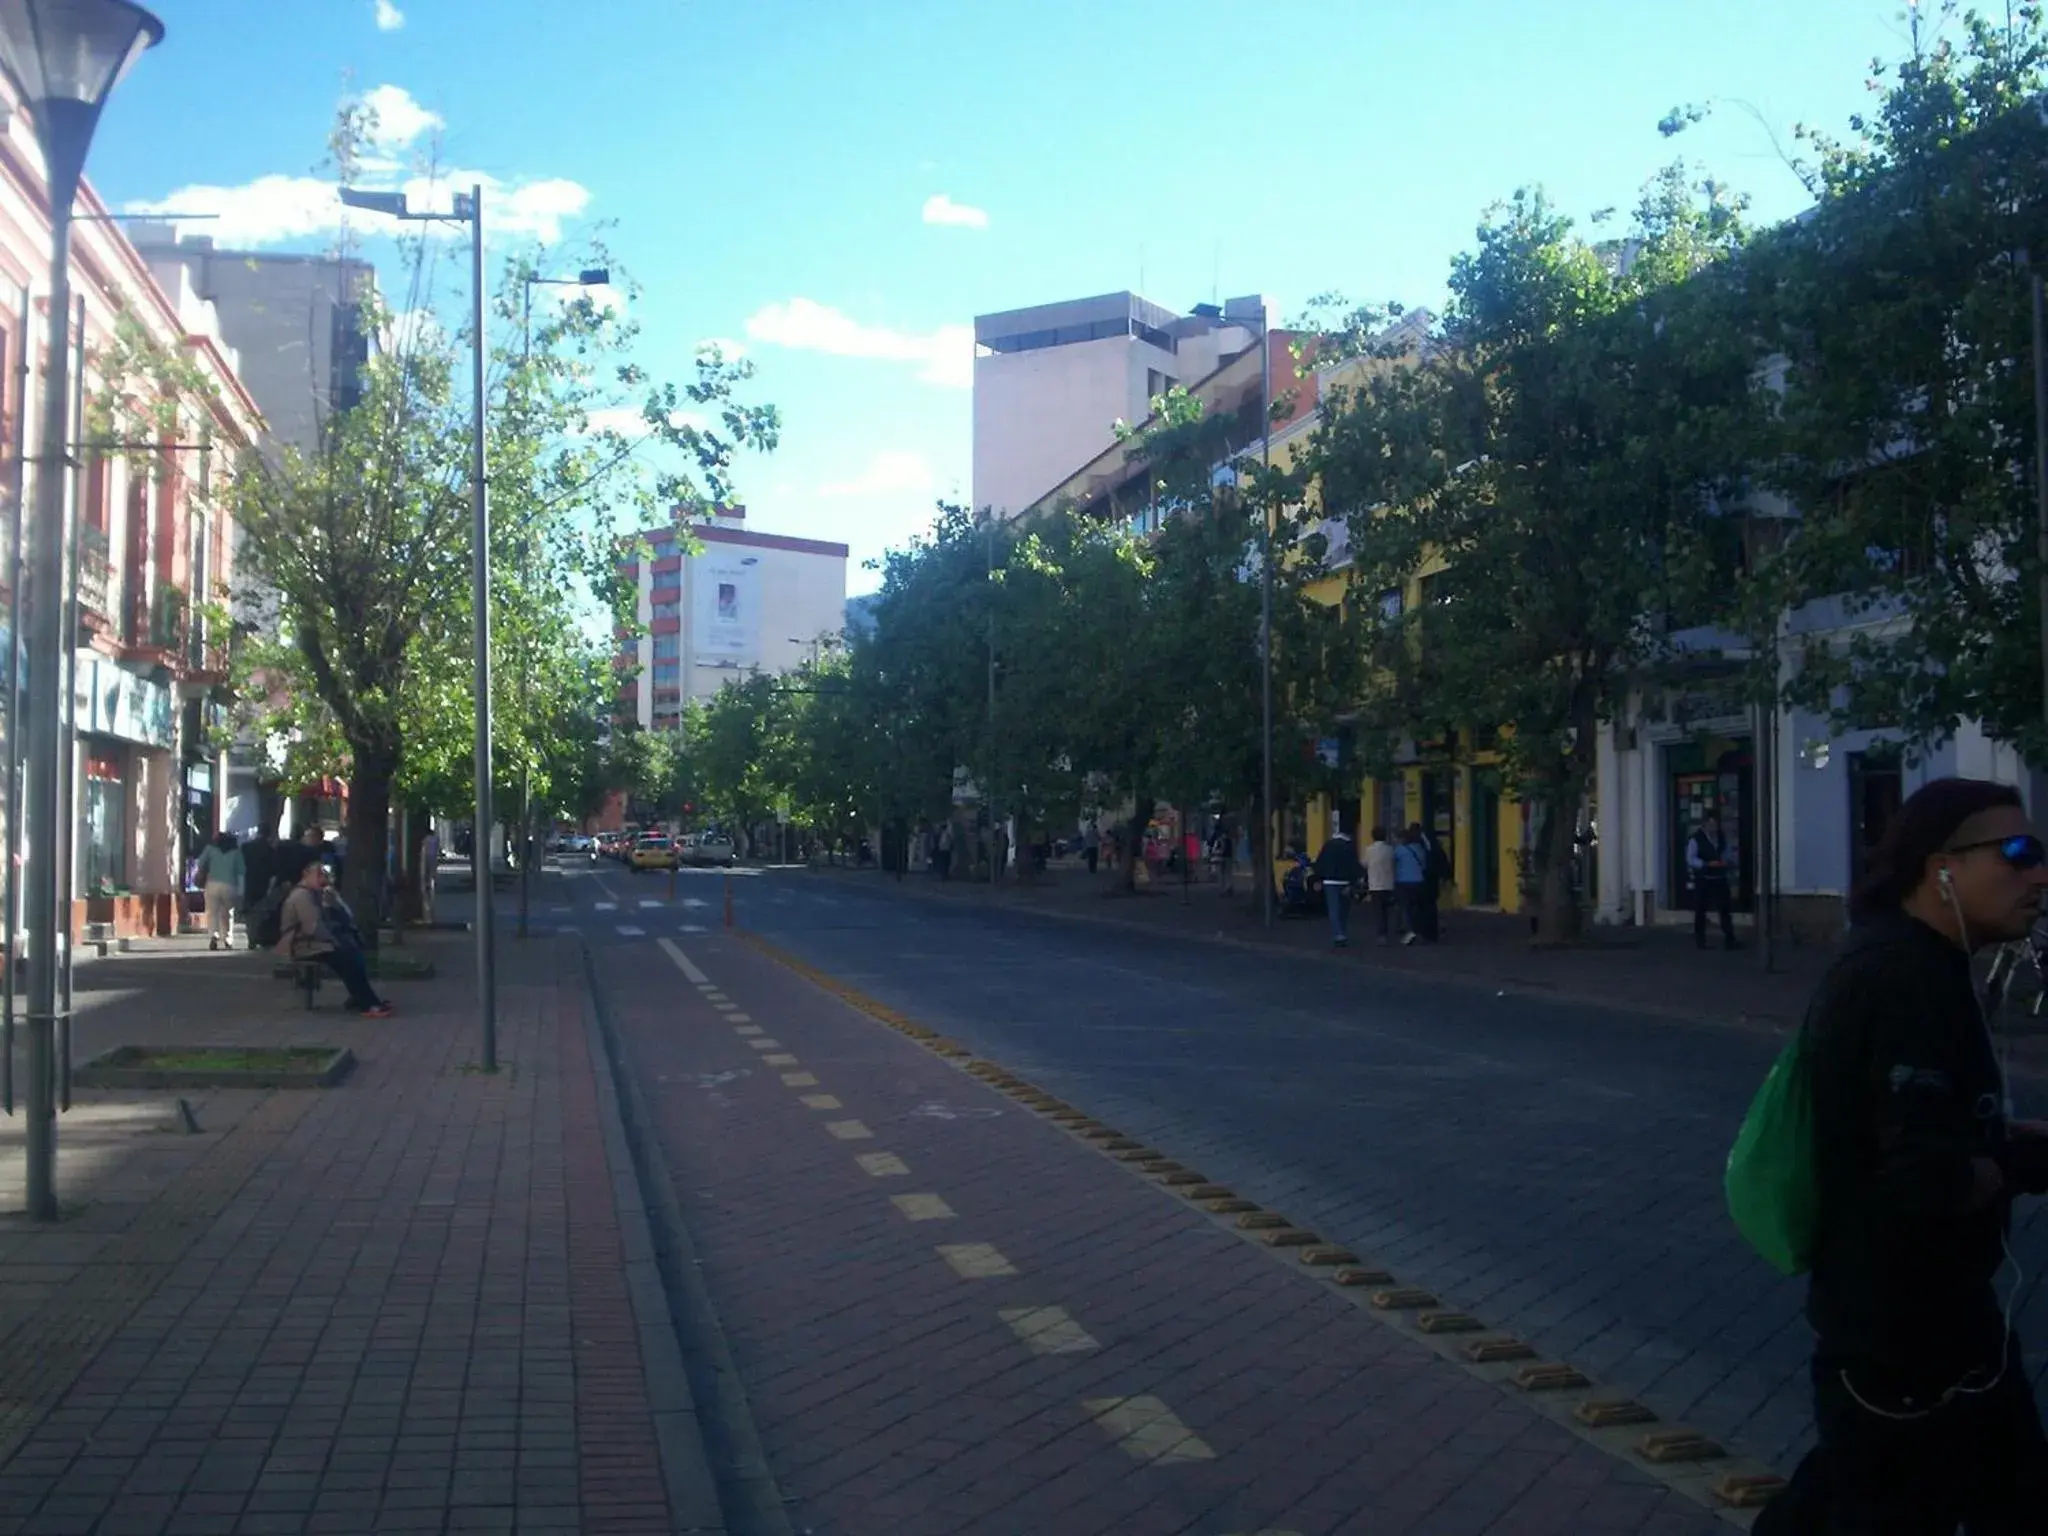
{"x":749,"y":1029}
{"x":765,"y":1044}
{"x":845,"y":1130}
{"x":725,"y":1006}
{"x":605,"y":906}
{"x":822,"y":1101}
{"x":922,"y":1207}
{"x":693,"y":928}
{"x":976,"y":1261}
{"x":1148,"y":1429}
{"x":650,"y":901}
{"x":880,"y":1165}
{"x":628,"y":931}
{"x":683,"y":963}
{"x":1048,"y":1330}
{"x":739,"y":1018}
{"x":799,"y":1079}
{"x":784,"y":1060}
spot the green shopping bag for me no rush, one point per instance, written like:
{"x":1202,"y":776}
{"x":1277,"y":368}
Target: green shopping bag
{"x":1771,"y":1183}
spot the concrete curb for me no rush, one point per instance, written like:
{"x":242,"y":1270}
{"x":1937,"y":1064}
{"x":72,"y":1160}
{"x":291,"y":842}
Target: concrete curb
{"x":727,"y":1445}
{"x":679,"y":1431}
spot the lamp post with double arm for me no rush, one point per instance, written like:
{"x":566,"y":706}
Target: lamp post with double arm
{"x":469,"y":209}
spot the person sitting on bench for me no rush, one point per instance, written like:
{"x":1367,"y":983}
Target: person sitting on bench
{"x":306,"y":935}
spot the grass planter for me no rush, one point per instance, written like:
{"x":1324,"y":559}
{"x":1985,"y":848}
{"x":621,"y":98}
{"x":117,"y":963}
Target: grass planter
{"x":216,"y":1066}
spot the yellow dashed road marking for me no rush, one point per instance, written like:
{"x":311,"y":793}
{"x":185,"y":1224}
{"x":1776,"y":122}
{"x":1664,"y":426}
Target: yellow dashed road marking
{"x":884,"y":1165}
{"x":848,"y":1130}
{"x":784,"y":1060}
{"x":922,"y":1207}
{"x":977,"y":1261}
{"x":799,"y":1079}
{"x":1148,"y":1429}
{"x":1048,"y":1330}
{"x":821,"y":1101}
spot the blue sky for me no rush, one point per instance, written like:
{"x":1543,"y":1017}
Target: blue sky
{"x":770,"y":168}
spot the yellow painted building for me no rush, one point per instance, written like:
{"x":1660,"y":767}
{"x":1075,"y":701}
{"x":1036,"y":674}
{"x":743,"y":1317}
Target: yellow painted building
{"x":1456,"y":789}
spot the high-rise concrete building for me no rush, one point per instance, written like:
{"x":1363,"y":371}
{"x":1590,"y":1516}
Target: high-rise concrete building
{"x":296,"y":321}
{"x":744,"y":602}
{"x":1052,"y":381}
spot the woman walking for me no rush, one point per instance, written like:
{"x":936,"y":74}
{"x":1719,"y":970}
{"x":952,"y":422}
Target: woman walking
{"x":220,"y":872}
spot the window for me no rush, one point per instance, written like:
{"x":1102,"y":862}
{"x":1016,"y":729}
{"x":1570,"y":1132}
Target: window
{"x":668,"y":672}
{"x":106,"y":822}
{"x":1391,"y":604}
{"x":667,"y":646}
{"x":668,"y":607}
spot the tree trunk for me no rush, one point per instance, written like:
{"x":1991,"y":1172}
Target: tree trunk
{"x":269,"y":806}
{"x":1558,"y":914}
{"x":369,"y":822}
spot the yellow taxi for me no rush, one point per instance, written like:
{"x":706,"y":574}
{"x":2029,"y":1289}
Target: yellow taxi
{"x":653,"y":852}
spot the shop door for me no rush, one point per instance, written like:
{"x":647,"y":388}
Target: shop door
{"x":1876,"y":786}
{"x":1486,"y":837}
{"x":1723,"y":790}
{"x":1439,"y":809}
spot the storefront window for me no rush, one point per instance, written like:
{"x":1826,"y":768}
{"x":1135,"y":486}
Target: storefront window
{"x":105,"y":826}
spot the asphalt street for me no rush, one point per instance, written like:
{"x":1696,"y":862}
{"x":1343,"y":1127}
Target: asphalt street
{"x":1553,"y":1169}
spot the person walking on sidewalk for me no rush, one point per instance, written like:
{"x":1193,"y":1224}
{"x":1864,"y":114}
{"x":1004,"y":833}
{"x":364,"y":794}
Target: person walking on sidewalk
{"x":1411,"y":871}
{"x":1338,"y":868}
{"x":306,"y":934}
{"x":1091,"y":846}
{"x":1706,"y":860}
{"x":1379,"y":881}
{"x":1925,"y":1414}
{"x":221,"y":873}
{"x":1436,"y":869}
{"x":1222,"y":853}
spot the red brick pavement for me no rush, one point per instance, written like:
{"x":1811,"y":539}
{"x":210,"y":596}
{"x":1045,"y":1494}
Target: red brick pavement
{"x":891,"y":1394}
{"x":392,"y":1306}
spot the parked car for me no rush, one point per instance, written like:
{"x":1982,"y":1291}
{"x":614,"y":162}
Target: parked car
{"x":713,"y":847}
{"x":653,"y":852}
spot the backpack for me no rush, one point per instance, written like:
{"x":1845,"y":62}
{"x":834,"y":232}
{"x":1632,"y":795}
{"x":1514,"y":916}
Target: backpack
{"x":1771,"y":1182}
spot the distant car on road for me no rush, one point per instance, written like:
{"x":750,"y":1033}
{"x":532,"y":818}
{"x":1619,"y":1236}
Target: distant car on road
{"x":711,"y":848}
{"x":653,"y":853}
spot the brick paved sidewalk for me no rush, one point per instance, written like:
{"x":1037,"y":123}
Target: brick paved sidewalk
{"x":953,"y":1317}
{"x":410,"y":1302}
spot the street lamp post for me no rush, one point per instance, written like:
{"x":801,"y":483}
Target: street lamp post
{"x":469,"y":209}
{"x":589,"y":277}
{"x":64,"y":58}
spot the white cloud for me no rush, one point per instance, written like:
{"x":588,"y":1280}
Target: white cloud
{"x":891,"y":472}
{"x":944,"y":357}
{"x":274,"y":209}
{"x":730,"y":350}
{"x":941,"y":209}
{"x":631,"y":421}
{"x":400,"y":119}
{"x":389,"y":17}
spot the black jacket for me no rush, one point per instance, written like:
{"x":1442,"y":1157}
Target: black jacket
{"x":1337,"y":862}
{"x":1906,"y":1092}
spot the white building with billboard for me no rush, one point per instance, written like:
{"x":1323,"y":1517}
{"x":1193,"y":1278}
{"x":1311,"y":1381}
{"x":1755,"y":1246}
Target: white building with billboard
{"x":744,"y":602}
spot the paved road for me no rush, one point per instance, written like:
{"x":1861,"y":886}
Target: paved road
{"x":1554,"y":1169}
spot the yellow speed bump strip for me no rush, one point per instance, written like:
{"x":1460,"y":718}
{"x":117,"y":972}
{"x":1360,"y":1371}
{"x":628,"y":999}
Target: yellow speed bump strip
{"x":1148,"y":1429}
{"x":1687,"y":1462}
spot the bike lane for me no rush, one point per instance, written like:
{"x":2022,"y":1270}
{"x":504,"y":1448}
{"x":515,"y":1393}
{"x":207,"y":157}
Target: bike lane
{"x":955,"y":1313}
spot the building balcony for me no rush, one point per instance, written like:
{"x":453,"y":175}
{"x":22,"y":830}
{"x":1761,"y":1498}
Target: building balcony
{"x":159,"y":628}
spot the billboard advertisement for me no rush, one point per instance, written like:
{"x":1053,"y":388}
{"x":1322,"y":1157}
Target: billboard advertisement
{"x":726,"y":597}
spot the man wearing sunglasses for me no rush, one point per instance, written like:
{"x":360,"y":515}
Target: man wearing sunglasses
{"x":1924,"y":1412}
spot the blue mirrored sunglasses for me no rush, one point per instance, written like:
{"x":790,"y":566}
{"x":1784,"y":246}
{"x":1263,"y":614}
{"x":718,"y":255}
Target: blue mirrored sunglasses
{"x":2022,"y":851}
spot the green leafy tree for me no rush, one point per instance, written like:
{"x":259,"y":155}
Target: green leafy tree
{"x":1548,"y":466}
